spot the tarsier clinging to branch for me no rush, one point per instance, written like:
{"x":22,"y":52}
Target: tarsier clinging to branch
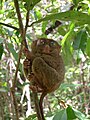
{"x":44,"y":67}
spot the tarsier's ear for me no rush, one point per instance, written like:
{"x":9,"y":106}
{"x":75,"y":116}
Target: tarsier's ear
{"x":34,"y":43}
{"x":33,"y":46}
{"x":38,"y":41}
{"x":59,"y":47}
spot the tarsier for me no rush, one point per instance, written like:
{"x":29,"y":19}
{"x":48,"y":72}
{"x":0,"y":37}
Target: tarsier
{"x":44,"y":67}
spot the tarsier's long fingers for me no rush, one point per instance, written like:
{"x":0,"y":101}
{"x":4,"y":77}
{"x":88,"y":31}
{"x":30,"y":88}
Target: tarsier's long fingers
{"x":26,"y":63}
{"x":30,"y":76}
{"x":35,"y":88}
{"x":25,"y":50}
{"x":27,"y":53}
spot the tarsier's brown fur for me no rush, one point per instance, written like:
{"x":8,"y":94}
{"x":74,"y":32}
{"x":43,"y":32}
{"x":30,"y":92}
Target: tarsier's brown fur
{"x":45,"y":66}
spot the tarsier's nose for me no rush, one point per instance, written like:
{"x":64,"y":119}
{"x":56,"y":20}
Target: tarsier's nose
{"x":46,"y":49}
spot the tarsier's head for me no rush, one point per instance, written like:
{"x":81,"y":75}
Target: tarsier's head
{"x":45,"y":46}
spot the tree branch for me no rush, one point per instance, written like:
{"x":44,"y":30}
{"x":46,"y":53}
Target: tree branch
{"x":20,"y":53}
{"x":13,"y":27}
{"x":32,"y":24}
{"x":22,"y":35}
{"x":26,"y":26}
{"x":27,"y":20}
{"x":36,"y":102}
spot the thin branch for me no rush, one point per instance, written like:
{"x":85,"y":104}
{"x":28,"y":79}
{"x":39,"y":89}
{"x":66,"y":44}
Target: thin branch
{"x":36,"y":102}
{"x":21,"y":30}
{"x":27,"y":20}
{"x":26,"y":26}
{"x":15,"y":103}
{"x":10,"y":26}
{"x":32,"y":24}
{"x":19,"y":18}
{"x":38,"y":21}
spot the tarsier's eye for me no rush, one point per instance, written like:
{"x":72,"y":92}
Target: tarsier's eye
{"x":52,"y":44}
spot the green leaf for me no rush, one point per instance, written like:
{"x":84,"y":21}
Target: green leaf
{"x":76,"y":1}
{"x":79,"y":115}
{"x":88,"y":47}
{"x":44,"y":25}
{"x":4,"y":89}
{"x":26,"y":83}
{"x":67,"y":49}
{"x":2,"y":11}
{"x":28,"y":36}
{"x":68,"y":33}
{"x":83,"y":41}
{"x":15,"y":55}
{"x":61,"y":31}
{"x":62,"y":115}
{"x":37,"y":14}
{"x":80,"y":40}
{"x":12,"y":50}
{"x":70,"y":113}
{"x":77,"y":40}
{"x":30,"y":4}
{"x":31,"y":117}
{"x":64,"y":86}
{"x":1,"y":40}
{"x":67,"y":53}
{"x":68,"y":16}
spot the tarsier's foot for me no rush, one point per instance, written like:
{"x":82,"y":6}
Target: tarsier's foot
{"x":26,"y":63}
{"x":35,"y":88}
{"x":31,"y":77}
{"x":27,"y":53}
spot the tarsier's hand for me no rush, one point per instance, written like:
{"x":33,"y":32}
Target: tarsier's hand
{"x":33,"y":86}
{"x":26,"y":64}
{"x":27,"y":53}
{"x":30,"y":76}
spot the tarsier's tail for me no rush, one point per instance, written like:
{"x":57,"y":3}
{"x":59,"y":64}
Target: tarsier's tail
{"x":41,"y":104}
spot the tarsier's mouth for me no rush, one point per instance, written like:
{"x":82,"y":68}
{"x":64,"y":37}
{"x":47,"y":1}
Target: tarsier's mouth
{"x":47,"y":52}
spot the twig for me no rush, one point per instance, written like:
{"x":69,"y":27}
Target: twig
{"x":26,"y":26}
{"x":32,"y":24}
{"x":38,"y":21}
{"x":27,"y":20}
{"x":22,"y":31}
{"x":7,"y":25}
{"x":19,"y":17}
{"x":36,"y":101}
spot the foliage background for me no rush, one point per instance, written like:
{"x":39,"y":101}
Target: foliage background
{"x":73,"y":34}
